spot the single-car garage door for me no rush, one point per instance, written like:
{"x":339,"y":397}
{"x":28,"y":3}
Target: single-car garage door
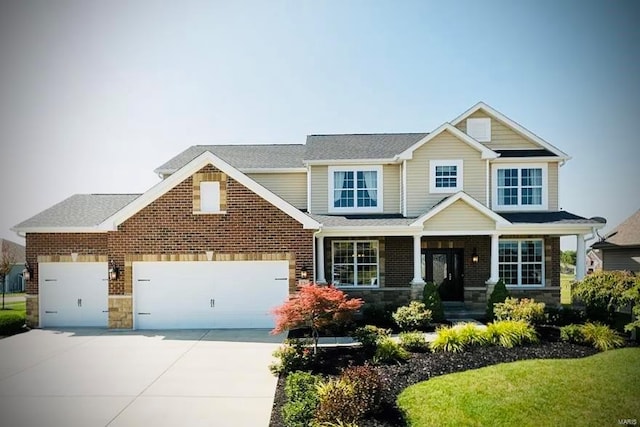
{"x":200,"y":295}
{"x":73,"y":294}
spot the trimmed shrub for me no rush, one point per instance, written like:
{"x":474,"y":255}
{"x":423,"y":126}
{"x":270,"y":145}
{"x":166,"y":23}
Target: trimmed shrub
{"x":471,"y":334}
{"x":293,"y":356}
{"x":601,"y":336}
{"x":367,"y":387}
{"x":459,"y":337}
{"x":563,"y":316}
{"x":432,"y":301}
{"x":572,"y":333}
{"x":498,"y":295}
{"x":413,"y":316}
{"x":413,"y":341}
{"x":369,"y":336}
{"x":302,"y":399}
{"x":380,"y":315}
{"x":388,"y":351}
{"x":525,"y":309}
{"x":11,"y":323}
{"x":511,"y":333}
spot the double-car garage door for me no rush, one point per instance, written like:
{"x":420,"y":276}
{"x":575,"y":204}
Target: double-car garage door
{"x":167,"y":295}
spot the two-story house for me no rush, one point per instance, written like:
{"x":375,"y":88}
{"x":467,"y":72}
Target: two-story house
{"x":231,"y":230}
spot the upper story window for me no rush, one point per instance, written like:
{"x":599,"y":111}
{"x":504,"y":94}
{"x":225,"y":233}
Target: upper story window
{"x":479,"y":129}
{"x":355,"y":189}
{"x":445,"y":176}
{"x":520,"y":187}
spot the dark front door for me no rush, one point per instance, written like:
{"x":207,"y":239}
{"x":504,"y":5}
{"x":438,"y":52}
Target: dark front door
{"x":445,"y":268}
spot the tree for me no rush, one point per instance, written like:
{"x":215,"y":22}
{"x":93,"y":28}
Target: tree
{"x":431,"y":299}
{"x":499,"y":294}
{"x":7,"y":260}
{"x":568,"y":257}
{"x":315,"y":307}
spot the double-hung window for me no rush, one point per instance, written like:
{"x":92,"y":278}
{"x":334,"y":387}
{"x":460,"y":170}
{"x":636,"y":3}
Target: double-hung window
{"x":445,"y":176}
{"x":355,"y":189}
{"x":521,"y":262}
{"x":355,"y":263}
{"x":520,"y":187}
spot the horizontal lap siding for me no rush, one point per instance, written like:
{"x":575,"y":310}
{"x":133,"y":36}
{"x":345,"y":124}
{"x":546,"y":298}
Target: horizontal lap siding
{"x":292,"y":187}
{"x":502,"y":137}
{"x":446,"y":147}
{"x":319,"y":189}
{"x":459,"y":216}
{"x":391,"y":176}
{"x":552,"y":185}
{"x":621,"y":259}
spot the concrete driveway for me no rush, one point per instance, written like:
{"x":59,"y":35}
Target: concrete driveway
{"x":137,"y":378}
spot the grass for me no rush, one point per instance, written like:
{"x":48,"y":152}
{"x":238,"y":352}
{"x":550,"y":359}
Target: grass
{"x":19,"y":307}
{"x":594,"y":391}
{"x":565,"y":288}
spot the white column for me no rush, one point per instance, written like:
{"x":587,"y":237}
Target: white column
{"x":320,"y":265}
{"x":495,"y":248}
{"x":580,"y":257}
{"x":417,"y":261}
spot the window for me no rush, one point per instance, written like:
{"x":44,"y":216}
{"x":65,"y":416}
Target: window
{"x":445,"y":176}
{"x":479,"y":129}
{"x":520,"y":187}
{"x":355,"y":189}
{"x":520,"y":262}
{"x":209,"y":196}
{"x":355,"y":263}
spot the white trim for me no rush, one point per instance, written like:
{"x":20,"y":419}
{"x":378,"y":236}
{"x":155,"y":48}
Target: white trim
{"x":520,"y":207}
{"x":487,"y":184}
{"x":355,"y":209}
{"x":486,"y":153}
{"x":551,"y":229}
{"x":189,"y":169}
{"x":309,"y":189}
{"x":355,"y":266}
{"x":403,"y":189}
{"x":513,"y":125}
{"x":527,"y":160}
{"x":519,"y":263}
{"x":470,"y":201}
{"x":325,"y":162}
{"x":458,"y":163}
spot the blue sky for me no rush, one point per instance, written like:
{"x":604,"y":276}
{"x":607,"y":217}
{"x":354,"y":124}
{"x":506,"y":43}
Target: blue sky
{"x":95,"y":95}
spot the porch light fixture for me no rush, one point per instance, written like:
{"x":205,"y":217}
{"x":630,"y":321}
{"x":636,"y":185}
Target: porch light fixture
{"x":474,"y":256}
{"x":113,"y":271}
{"x":26,"y":273}
{"x":303,"y":272}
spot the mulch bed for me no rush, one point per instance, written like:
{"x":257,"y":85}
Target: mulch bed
{"x":423,"y":366}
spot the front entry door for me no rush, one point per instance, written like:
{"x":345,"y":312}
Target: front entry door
{"x":445,"y":268}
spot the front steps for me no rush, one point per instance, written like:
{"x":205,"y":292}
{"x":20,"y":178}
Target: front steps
{"x":457,"y":312}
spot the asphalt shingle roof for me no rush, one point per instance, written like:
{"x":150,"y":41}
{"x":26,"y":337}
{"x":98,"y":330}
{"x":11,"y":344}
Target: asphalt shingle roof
{"x":359,"y":146}
{"x":80,"y":210}
{"x":362,"y":220}
{"x":625,"y":234}
{"x":554,"y":217}
{"x":525,"y":153}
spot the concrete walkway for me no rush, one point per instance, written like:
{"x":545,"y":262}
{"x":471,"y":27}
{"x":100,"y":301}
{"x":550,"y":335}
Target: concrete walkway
{"x":137,"y":378}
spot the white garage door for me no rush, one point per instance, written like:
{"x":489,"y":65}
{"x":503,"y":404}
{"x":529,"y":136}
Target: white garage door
{"x":201,"y":295}
{"x":73,"y":294}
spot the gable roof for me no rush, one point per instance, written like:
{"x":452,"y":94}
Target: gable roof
{"x":513,"y":125}
{"x":460,"y":195}
{"x":80,"y":212}
{"x":254,"y":156}
{"x":486,"y":153}
{"x":189,"y":169}
{"x":376,"y":146}
{"x":17,"y":250}
{"x":625,"y":234}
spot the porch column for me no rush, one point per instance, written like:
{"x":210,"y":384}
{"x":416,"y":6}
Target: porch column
{"x":417,"y":261}
{"x":495,"y":248}
{"x":320,"y":265}
{"x":580,"y":257}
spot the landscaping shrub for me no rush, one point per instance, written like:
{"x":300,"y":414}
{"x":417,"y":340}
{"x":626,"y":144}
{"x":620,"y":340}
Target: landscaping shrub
{"x":413,"y":316}
{"x":601,"y":336}
{"x":11,"y":323}
{"x":380,"y":315}
{"x":302,"y":399}
{"x":572,"y":333}
{"x":511,"y":333}
{"x":459,"y":337}
{"x":336,"y":402}
{"x":563,"y":316}
{"x":432,"y":301}
{"x":369,"y":335}
{"x":367,"y":387}
{"x":498,"y":295}
{"x":293,"y":356}
{"x":413,"y":341}
{"x":389,"y":351}
{"x":524,"y":309}
{"x":471,"y":334}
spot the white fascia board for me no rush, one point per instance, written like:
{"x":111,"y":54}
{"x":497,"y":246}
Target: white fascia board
{"x":513,"y":125}
{"x":458,"y":232}
{"x":189,"y":169}
{"x":351,"y":162}
{"x":273,"y":170}
{"x":461,"y":195}
{"x":486,"y":153}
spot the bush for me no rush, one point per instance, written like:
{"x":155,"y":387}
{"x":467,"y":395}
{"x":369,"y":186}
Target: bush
{"x":293,"y":356}
{"x":525,"y":309}
{"x":601,"y":336}
{"x":336,"y":402}
{"x":498,"y":295}
{"x":367,"y":388}
{"x":432,"y":301}
{"x":413,"y":316}
{"x":563,"y":316}
{"x":380,"y":315}
{"x":369,"y":335}
{"x":511,"y":333}
{"x":413,"y":341}
{"x":572,"y":333}
{"x":459,"y":337}
{"x":11,"y":323}
{"x":302,"y":399}
{"x":389,"y":351}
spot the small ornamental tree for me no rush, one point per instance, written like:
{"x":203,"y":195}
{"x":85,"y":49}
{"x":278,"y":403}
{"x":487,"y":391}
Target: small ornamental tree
{"x":499,"y":294}
{"x":431,"y":299}
{"x":315,"y":307}
{"x":7,"y":259}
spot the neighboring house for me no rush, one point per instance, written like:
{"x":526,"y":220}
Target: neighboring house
{"x":14,"y":282}
{"x":231,"y":230}
{"x":620,"y":249}
{"x":594,"y":260}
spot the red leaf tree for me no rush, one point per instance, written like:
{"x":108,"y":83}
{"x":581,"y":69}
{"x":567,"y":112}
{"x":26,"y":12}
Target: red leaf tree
{"x":315,"y":307}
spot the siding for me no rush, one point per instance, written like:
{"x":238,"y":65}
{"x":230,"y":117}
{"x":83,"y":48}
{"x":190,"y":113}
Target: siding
{"x":621,"y":259}
{"x":391,"y":187}
{"x":444,"y":146}
{"x":459,"y":216}
{"x":292,"y":187}
{"x":319,"y":189}
{"x":502,"y":137}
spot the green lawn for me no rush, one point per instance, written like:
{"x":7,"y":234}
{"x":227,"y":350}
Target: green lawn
{"x":565,"y":288}
{"x":13,"y":307}
{"x":595,"y":391}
